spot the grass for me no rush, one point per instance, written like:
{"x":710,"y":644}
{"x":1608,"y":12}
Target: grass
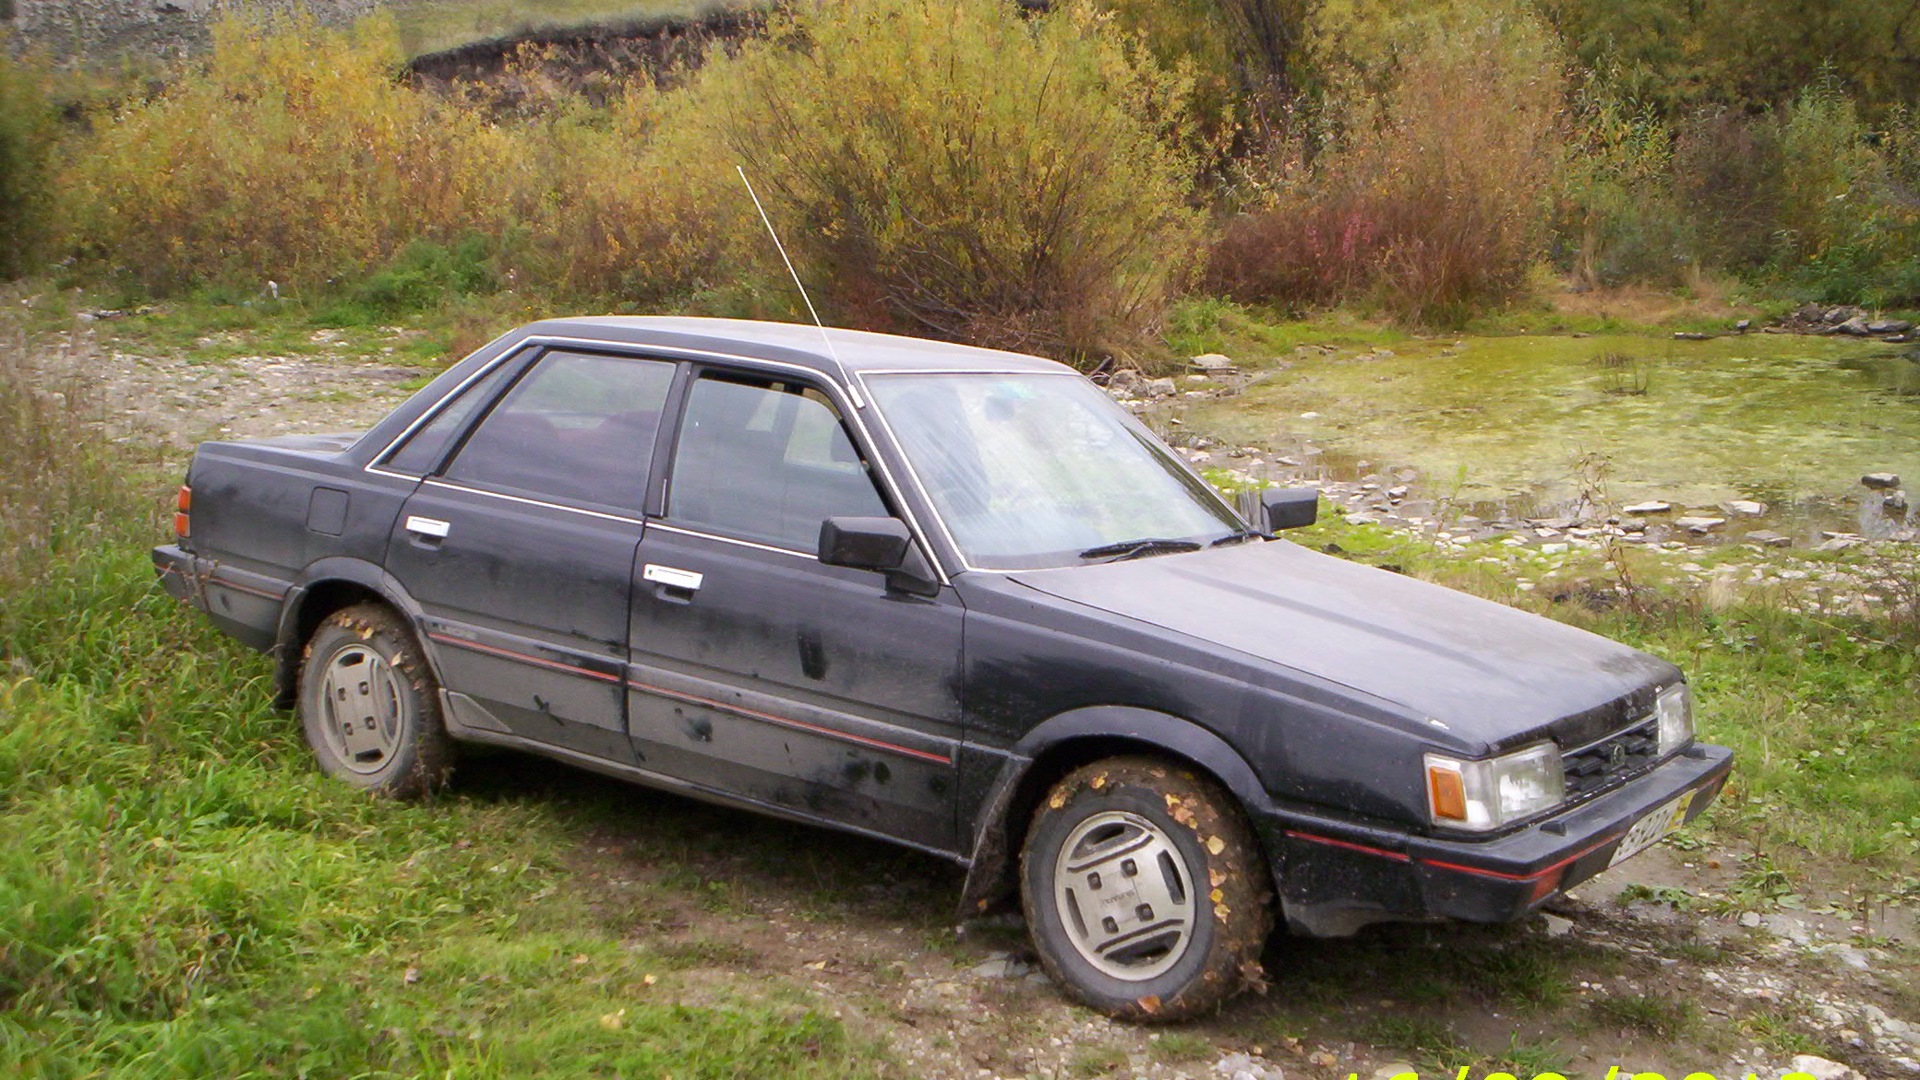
{"x":182,"y":894}
{"x":1650,"y":1014}
{"x":428,"y":26}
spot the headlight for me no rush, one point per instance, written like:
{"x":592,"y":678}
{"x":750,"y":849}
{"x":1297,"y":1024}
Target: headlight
{"x":1488,"y":794}
{"x":1674,"y":708}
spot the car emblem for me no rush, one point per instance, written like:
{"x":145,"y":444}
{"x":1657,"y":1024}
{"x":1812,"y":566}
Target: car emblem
{"x":1616,"y":756}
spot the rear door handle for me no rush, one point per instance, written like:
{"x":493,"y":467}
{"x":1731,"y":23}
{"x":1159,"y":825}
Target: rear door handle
{"x":672,"y":577}
{"x":428,"y":527}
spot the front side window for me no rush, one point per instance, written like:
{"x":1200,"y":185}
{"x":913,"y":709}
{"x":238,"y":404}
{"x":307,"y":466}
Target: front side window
{"x":765,"y":460}
{"x":1031,"y":470}
{"x":576,"y":428}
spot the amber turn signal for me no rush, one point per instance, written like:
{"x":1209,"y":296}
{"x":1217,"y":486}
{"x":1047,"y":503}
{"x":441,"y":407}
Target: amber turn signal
{"x":183,"y":506}
{"x":1446,"y":793}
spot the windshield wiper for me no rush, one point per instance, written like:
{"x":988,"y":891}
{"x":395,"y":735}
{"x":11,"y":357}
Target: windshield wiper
{"x":1133,"y":549}
{"x":1241,"y":534}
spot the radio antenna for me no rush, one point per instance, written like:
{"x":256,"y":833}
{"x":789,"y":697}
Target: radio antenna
{"x":852,"y":389}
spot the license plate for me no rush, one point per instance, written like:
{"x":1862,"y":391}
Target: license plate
{"x":1648,"y":830}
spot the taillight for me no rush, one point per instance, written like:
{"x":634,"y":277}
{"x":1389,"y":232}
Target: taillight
{"x":183,"y":510}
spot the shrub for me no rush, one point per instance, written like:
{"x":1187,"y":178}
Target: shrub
{"x":292,"y":154}
{"x":1436,"y":200}
{"x":625,"y":203}
{"x":1726,"y":171}
{"x":26,"y":142}
{"x":962,"y":170}
{"x":1618,"y":218}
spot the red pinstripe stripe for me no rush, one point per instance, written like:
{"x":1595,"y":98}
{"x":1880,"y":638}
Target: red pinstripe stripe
{"x":237,"y":587}
{"x":1396,"y":856}
{"x":787,"y":721}
{"x":462,"y":643}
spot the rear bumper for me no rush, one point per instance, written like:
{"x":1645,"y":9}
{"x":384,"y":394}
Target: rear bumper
{"x":245,"y":605}
{"x":1334,"y":877}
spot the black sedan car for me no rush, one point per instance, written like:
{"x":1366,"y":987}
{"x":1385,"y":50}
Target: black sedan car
{"x":949,"y":597}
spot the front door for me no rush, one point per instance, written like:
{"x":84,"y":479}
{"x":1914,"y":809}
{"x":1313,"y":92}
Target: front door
{"x":761,"y":673}
{"x":520,"y":550}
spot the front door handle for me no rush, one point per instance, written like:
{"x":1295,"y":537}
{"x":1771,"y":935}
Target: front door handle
{"x":428,"y":528}
{"x":672,"y":577}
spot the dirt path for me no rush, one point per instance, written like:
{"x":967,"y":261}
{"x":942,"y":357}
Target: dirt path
{"x":1659,"y":965}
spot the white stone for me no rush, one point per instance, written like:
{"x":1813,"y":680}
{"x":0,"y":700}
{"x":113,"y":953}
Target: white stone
{"x":1821,"y":1069}
{"x":1746,"y":508}
{"x":1654,"y":506}
{"x":1700,"y":524}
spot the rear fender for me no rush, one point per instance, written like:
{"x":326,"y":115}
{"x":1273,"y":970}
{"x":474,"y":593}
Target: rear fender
{"x":299,"y":615}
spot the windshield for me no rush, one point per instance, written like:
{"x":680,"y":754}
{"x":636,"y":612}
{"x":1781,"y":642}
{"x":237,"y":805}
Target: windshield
{"x":1033,"y":470}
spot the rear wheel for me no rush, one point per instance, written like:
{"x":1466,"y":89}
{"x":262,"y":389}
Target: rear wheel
{"x":370,"y":707}
{"x":1144,"y":890}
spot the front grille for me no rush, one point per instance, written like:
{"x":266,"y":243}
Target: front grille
{"x":1621,"y":754}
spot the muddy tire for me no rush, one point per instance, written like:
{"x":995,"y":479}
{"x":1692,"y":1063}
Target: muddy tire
{"x":1144,"y":890}
{"x":370,"y":707}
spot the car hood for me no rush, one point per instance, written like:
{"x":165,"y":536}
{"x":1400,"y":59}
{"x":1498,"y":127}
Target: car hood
{"x":1486,"y":671}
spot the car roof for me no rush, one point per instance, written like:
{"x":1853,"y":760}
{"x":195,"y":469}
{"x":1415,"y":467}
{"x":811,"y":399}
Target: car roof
{"x":857,"y":351}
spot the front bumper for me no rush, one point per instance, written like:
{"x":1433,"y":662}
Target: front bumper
{"x":1334,"y":876}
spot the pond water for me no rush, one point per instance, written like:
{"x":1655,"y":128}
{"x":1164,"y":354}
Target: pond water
{"x":1501,"y":425}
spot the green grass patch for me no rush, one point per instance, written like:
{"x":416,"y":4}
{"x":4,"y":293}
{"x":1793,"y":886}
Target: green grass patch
{"x":427,"y":26}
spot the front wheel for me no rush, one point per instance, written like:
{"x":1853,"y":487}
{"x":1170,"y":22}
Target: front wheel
{"x":1144,"y":890}
{"x":369,"y":705}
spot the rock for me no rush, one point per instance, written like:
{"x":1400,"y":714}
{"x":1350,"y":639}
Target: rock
{"x":1212,"y":364}
{"x":1895,"y":502}
{"x":1821,"y":1069}
{"x":1881,"y":481}
{"x":1240,"y":1066}
{"x":1553,"y":549}
{"x":1856,"y":326}
{"x":1766,"y":538}
{"x":1558,"y":927}
{"x":1700,"y":524}
{"x":1309,"y":415}
{"x":1746,"y":508}
{"x":1743,"y":325}
{"x":1688,"y":335}
{"x":1836,"y":316}
{"x":1001,"y":967}
{"x":1394,"y":1069}
{"x":1750,"y":919}
{"x":1889,"y":326}
{"x":1652,"y":506}
{"x":1124,"y":379}
{"x":1160,"y":388}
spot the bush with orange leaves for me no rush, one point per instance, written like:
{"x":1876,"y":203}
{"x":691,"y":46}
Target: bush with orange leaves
{"x":1436,"y":200}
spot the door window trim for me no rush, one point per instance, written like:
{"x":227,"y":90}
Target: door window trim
{"x":891,"y":488}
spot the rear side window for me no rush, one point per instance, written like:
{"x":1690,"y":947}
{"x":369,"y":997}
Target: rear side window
{"x":768,"y":461}
{"x":427,"y":445}
{"x":576,"y":428}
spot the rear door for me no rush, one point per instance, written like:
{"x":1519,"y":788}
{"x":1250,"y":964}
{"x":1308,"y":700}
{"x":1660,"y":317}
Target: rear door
{"x":520,"y":548}
{"x":761,"y":673}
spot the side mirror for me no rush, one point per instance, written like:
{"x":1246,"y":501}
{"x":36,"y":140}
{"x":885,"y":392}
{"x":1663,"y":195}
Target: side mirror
{"x":879,"y":543}
{"x":864,"y":543}
{"x":1289,"y":508}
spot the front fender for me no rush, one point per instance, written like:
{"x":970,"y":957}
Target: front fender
{"x":1124,"y":729}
